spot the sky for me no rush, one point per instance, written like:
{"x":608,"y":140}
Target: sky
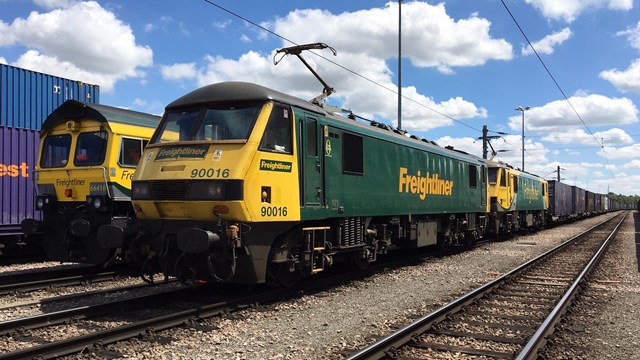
{"x":464,"y":64}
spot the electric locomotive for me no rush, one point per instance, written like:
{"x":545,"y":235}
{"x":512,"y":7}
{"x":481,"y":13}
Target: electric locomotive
{"x":88,"y":154}
{"x":241,"y":183}
{"x":518,"y":200}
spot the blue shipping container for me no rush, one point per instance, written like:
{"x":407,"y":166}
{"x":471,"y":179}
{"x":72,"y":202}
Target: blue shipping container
{"x":18,"y":156}
{"x":27,"y":97}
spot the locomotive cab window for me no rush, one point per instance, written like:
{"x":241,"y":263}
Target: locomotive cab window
{"x":55,"y":151}
{"x":493,"y":175}
{"x":473,"y":176}
{"x":277,"y":135}
{"x":91,"y":149}
{"x":216,"y":123}
{"x":352,"y":154}
{"x":131,"y":151}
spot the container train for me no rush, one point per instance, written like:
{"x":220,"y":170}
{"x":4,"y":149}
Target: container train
{"x":244,"y":184}
{"x":88,"y":155}
{"x":27,"y":97}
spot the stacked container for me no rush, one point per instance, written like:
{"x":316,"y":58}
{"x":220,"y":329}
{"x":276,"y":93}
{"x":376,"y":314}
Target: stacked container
{"x":26,"y":98}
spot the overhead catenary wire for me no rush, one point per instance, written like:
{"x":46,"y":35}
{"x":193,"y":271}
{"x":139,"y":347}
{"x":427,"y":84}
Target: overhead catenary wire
{"x":341,"y":66}
{"x":601,"y":144}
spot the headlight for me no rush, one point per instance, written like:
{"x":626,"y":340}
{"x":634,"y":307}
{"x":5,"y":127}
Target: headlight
{"x":43,"y":202}
{"x":140,"y":191}
{"x":96,"y":201}
{"x":40,"y":203}
{"x":207,"y":190}
{"x":215,"y":190}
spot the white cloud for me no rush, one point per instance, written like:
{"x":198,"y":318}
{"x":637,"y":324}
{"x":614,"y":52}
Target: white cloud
{"x":292,"y":77}
{"x":103,"y":52}
{"x":569,"y":10}
{"x":627,"y":80}
{"x":633,"y":164}
{"x":140,"y":102}
{"x":55,"y":4}
{"x":466,"y":144}
{"x":163,"y":23}
{"x":546,"y":45}
{"x":3,"y":61}
{"x":633,"y":35}
{"x":245,"y":39}
{"x":626,"y":152}
{"x":595,"y":110}
{"x":430,"y":39}
{"x":179,"y":71}
{"x":221,"y":25}
{"x":610,"y":137}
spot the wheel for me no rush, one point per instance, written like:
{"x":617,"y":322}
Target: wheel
{"x":283,"y":276}
{"x":358,"y":261}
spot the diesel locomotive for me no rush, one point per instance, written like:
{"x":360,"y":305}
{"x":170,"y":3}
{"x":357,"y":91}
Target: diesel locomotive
{"x":244,"y":184}
{"x":88,"y":155}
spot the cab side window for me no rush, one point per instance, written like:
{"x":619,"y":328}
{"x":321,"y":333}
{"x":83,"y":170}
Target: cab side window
{"x":131,"y":151}
{"x":277,"y":135}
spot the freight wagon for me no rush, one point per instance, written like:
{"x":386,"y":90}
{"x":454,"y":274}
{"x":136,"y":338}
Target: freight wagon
{"x":26,"y":98}
{"x":561,"y":204}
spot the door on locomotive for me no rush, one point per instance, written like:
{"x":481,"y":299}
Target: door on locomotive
{"x":312,"y":177}
{"x":87,"y":157}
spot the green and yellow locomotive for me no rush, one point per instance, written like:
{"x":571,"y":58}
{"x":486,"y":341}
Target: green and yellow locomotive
{"x":88,"y":155}
{"x":244,"y":184}
{"x":518,"y":200}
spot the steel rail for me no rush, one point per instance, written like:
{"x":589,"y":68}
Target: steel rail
{"x":388,"y":345}
{"x":82,"y":312}
{"x":139,"y":328}
{"x":34,"y":285}
{"x":539,"y":338}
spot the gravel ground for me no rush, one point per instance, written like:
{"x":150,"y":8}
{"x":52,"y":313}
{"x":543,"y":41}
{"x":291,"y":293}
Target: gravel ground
{"x":326,"y":325}
{"x":606,"y":323}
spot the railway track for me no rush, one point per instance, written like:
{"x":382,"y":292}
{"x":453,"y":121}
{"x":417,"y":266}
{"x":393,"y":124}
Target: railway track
{"x":37,"y":280}
{"x":508,"y":318}
{"x":144,"y":315}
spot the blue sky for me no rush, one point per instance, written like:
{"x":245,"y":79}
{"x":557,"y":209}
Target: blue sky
{"x":465,"y":64}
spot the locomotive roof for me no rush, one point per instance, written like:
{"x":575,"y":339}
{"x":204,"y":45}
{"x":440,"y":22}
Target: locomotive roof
{"x":237,"y":91}
{"x":493,"y":163}
{"x":78,"y":110}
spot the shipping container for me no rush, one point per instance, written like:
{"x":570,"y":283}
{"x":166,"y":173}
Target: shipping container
{"x":597,"y":203}
{"x":579,"y":201}
{"x":591,"y":202}
{"x":560,"y":201}
{"x":19,"y":153}
{"x":27,"y":97}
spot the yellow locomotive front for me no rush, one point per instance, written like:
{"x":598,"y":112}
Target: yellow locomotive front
{"x":216,"y":184}
{"x":88,"y":154}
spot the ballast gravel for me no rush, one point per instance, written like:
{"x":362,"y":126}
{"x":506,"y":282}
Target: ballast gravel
{"x":329,"y":324}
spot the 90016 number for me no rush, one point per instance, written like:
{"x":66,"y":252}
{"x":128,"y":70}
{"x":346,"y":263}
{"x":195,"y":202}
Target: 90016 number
{"x":209,"y":173}
{"x":273,"y":211}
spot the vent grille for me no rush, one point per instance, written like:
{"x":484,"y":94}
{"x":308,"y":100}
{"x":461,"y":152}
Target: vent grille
{"x":169,"y":189}
{"x":350,"y":232}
